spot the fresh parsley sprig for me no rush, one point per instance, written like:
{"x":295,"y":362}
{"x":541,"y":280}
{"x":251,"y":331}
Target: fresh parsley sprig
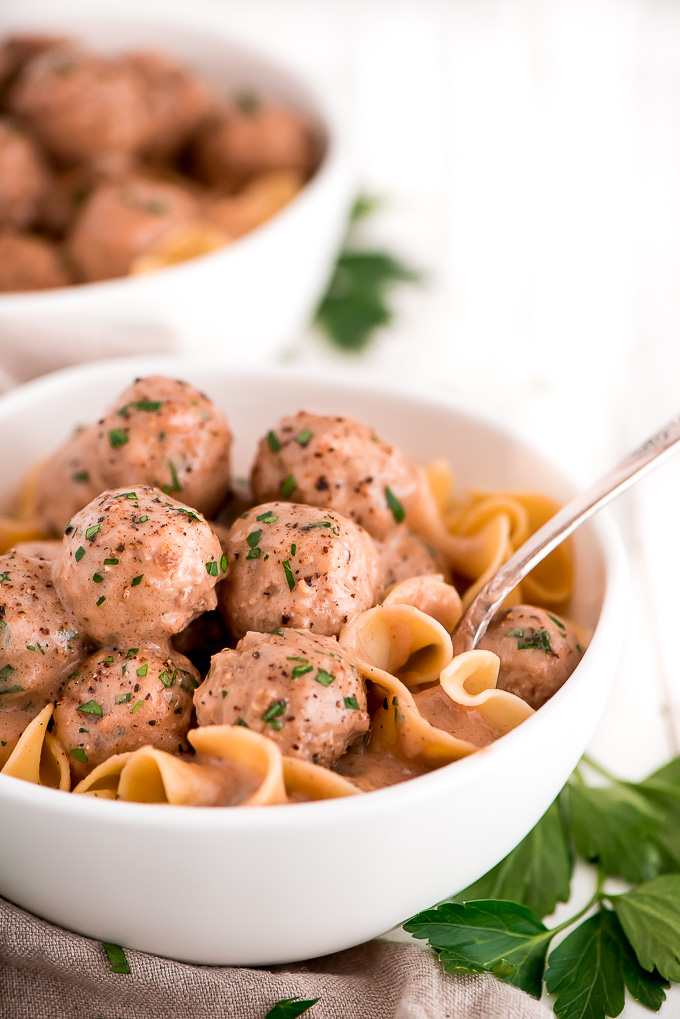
{"x":624,"y":941}
{"x":356,"y":302}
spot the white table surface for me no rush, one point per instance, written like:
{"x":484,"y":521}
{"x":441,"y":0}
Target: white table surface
{"x":529,"y":152}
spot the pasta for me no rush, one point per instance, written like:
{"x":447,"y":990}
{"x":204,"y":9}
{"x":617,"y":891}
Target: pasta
{"x":344,"y":575}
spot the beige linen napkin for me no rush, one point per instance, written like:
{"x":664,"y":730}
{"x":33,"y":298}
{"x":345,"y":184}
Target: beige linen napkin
{"x":48,"y":973}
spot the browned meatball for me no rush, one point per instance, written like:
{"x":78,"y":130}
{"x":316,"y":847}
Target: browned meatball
{"x":17,"y":50}
{"x":165,"y":433}
{"x":137,"y":565}
{"x":24,"y":178}
{"x":46,"y":550}
{"x":340,"y":463}
{"x":298,"y":566}
{"x":126,"y":219}
{"x":301,"y":690}
{"x":176,"y":99}
{"x":538,"y":652}
{"x":82,"y":107}
{"x":67,"y":481}
{"x":404,"y":554}
{"x":39,"y":641}
{"x":252,"y":138}
{"x":67,"y":193}
{"x":31,"y":263}
{"x":124,"y":698}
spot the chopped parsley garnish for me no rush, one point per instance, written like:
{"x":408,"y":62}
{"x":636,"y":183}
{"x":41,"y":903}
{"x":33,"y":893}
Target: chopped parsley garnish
{"x":277,"y":633}
{"x":176,"y":486}
{"x":268,"y":517}
{"x":91,"y":531}
{"x":288,"y":486}
{"x":274,"y":443}
{"x":111,"y":562}
{"x":143,"y":519}
{"x":253,"y":538}
{"x":187,"y":512}
{"x":272,"y":715}
{"x":91,"y":708}
{"x":4,"y":577}
{"x":224,"y":562}
{"x":97,"y":577}
{"x":12,"y":689}
{"x":188,"y":682}
{"x":118,"y":437}
{"x":351,"y":703}
{"x":532,"y":640}
{"x":5,"y":672}
{"x":136,"y":707}
{"x":395,"y":506}
{"x":254,"y":553}
{"x":300,"y":670}
{"x":166,"y":679}
{"x":123,"y":698}
{"x":136,"y":581}
{"x":73,"y":675}
{"x":317,"y":523}
{"x":557,"y":622}
{"x":80,"y":552}
{"x":101,"y":600}
{"x":143,"y":669}
{"x":289,"y":575}
{"x":224,"y":694}
{"x":304,"y":436}
{"x":116,"y":956}
{"x":325,"y":678}
{"x":242,"y":721}
{"x":104,"y":661}
{"x":211,"y":568}
{"x":148,"y":405}
{"x":35,"y":647}
{"x":128,"y":495}
{"x":79,"y":754}
{"x":248,"y":102}
{"x":293,"y":549}
{"x":81,"y":477}
{"x":132,"y":652}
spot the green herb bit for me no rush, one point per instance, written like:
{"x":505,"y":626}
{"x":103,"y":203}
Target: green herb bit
{"x":124,"y":669}
{"x":395,"y":506}
{"x":111,"y":562}
{"x":290,"y":1008}
{"x":273,"y":713}
{"x":211,"y":568}
{"x":116,"y":956}
{"x":253,"y":538}
{"x":143,"y":519}
{"x":136,"y":581}
{"x":176,"y":486}
{"x":118,"y":437}
{"x":247,"y":102}
{"x":317,"y":523}
{"x":149,"y":405}
{"x":300,"y":670}
{"x":143,"y":669}
{"x":293,"y":549}
{"x":137,"y":707}
{"x":97,"y":577}
{"x":268,"y":517}
{"x":289,"y":575}
{"x":558,"y":622}
{"x":79,"y":754}
{"x":325,"y":678}
{"x":129,"y":495}
{"x":288,"y":486}
{"x":188,"y":682}
{"x":92,"y":531}
{"x":533,"y":640}
{"x":224,"y":694}
{"x":278,"y":633}
{"x":242,"y":721}
{"x":303,"y":437}
{"x":166,"y":679}
{"x":254,"y":553}
{"x":74,"y":675}
{"x":123,"y":698}
{"x":273,"y":442}
{"x":4,"y":577}
{"x":351,"y":703}
{"x":91,"y":708}
{"x":79,"y":553}
{"x":132,"y":652}
{"x":81,"y":477}
{"x":106,"y":660}
{"x":224,"y":562}
{"x":101,"y":600}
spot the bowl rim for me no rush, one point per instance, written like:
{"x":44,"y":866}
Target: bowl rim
{"x":343,"y":809}
{"x":335,"y":155}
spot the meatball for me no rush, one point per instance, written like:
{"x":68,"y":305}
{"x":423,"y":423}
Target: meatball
{"x":297,"y":566}
{"x":39,"y":641}
{"x":404,"y":555}
{"x":301,"y":690}
{"x":30,"y":263}
{"x":65,"y":196}
{"x":538,"y":652}
{"x":17,"y":50}
{"x":67,"y":481}
{"x":125,"y":219}
{"x":165,"y":433}
{"x":338,"y":463}
{"x":46,"y":550}
{"x":124,"y":698}
{"x":82,"y":107}
{"x":252,"y":138}
{"x":137,"y":565}
{"x":24,"y":178}
{"x":176,"y":101}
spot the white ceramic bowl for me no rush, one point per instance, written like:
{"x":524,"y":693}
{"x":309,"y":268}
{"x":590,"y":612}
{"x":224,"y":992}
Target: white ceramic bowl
{"x":242,"y":302}
{"x":273,"y":884}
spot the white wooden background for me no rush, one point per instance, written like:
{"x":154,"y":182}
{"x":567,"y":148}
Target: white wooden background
{"x":529,"y":152}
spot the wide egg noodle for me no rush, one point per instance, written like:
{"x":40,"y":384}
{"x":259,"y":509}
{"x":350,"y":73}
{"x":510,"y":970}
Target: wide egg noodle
{"x":22,"y":525}
{"x":38,"y":757}
{"x":470,"y":680}
{"x":103,"y":781}
{"x":432,"y":595}
{"x":306,"y":781}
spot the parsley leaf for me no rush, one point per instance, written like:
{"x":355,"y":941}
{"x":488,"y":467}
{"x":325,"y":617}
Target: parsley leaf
{"x":290,"y":1008}
{"x":117,"y":958}
{"x":488,"y":935}
{"x":537,"y":873}
{"x":585,"y":972}
{"x":650,"y":917}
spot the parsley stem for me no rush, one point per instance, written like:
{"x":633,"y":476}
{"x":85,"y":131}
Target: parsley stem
{"x":600,"y":769}
{"x":594,"y":899}
{"x":577,"y":776}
